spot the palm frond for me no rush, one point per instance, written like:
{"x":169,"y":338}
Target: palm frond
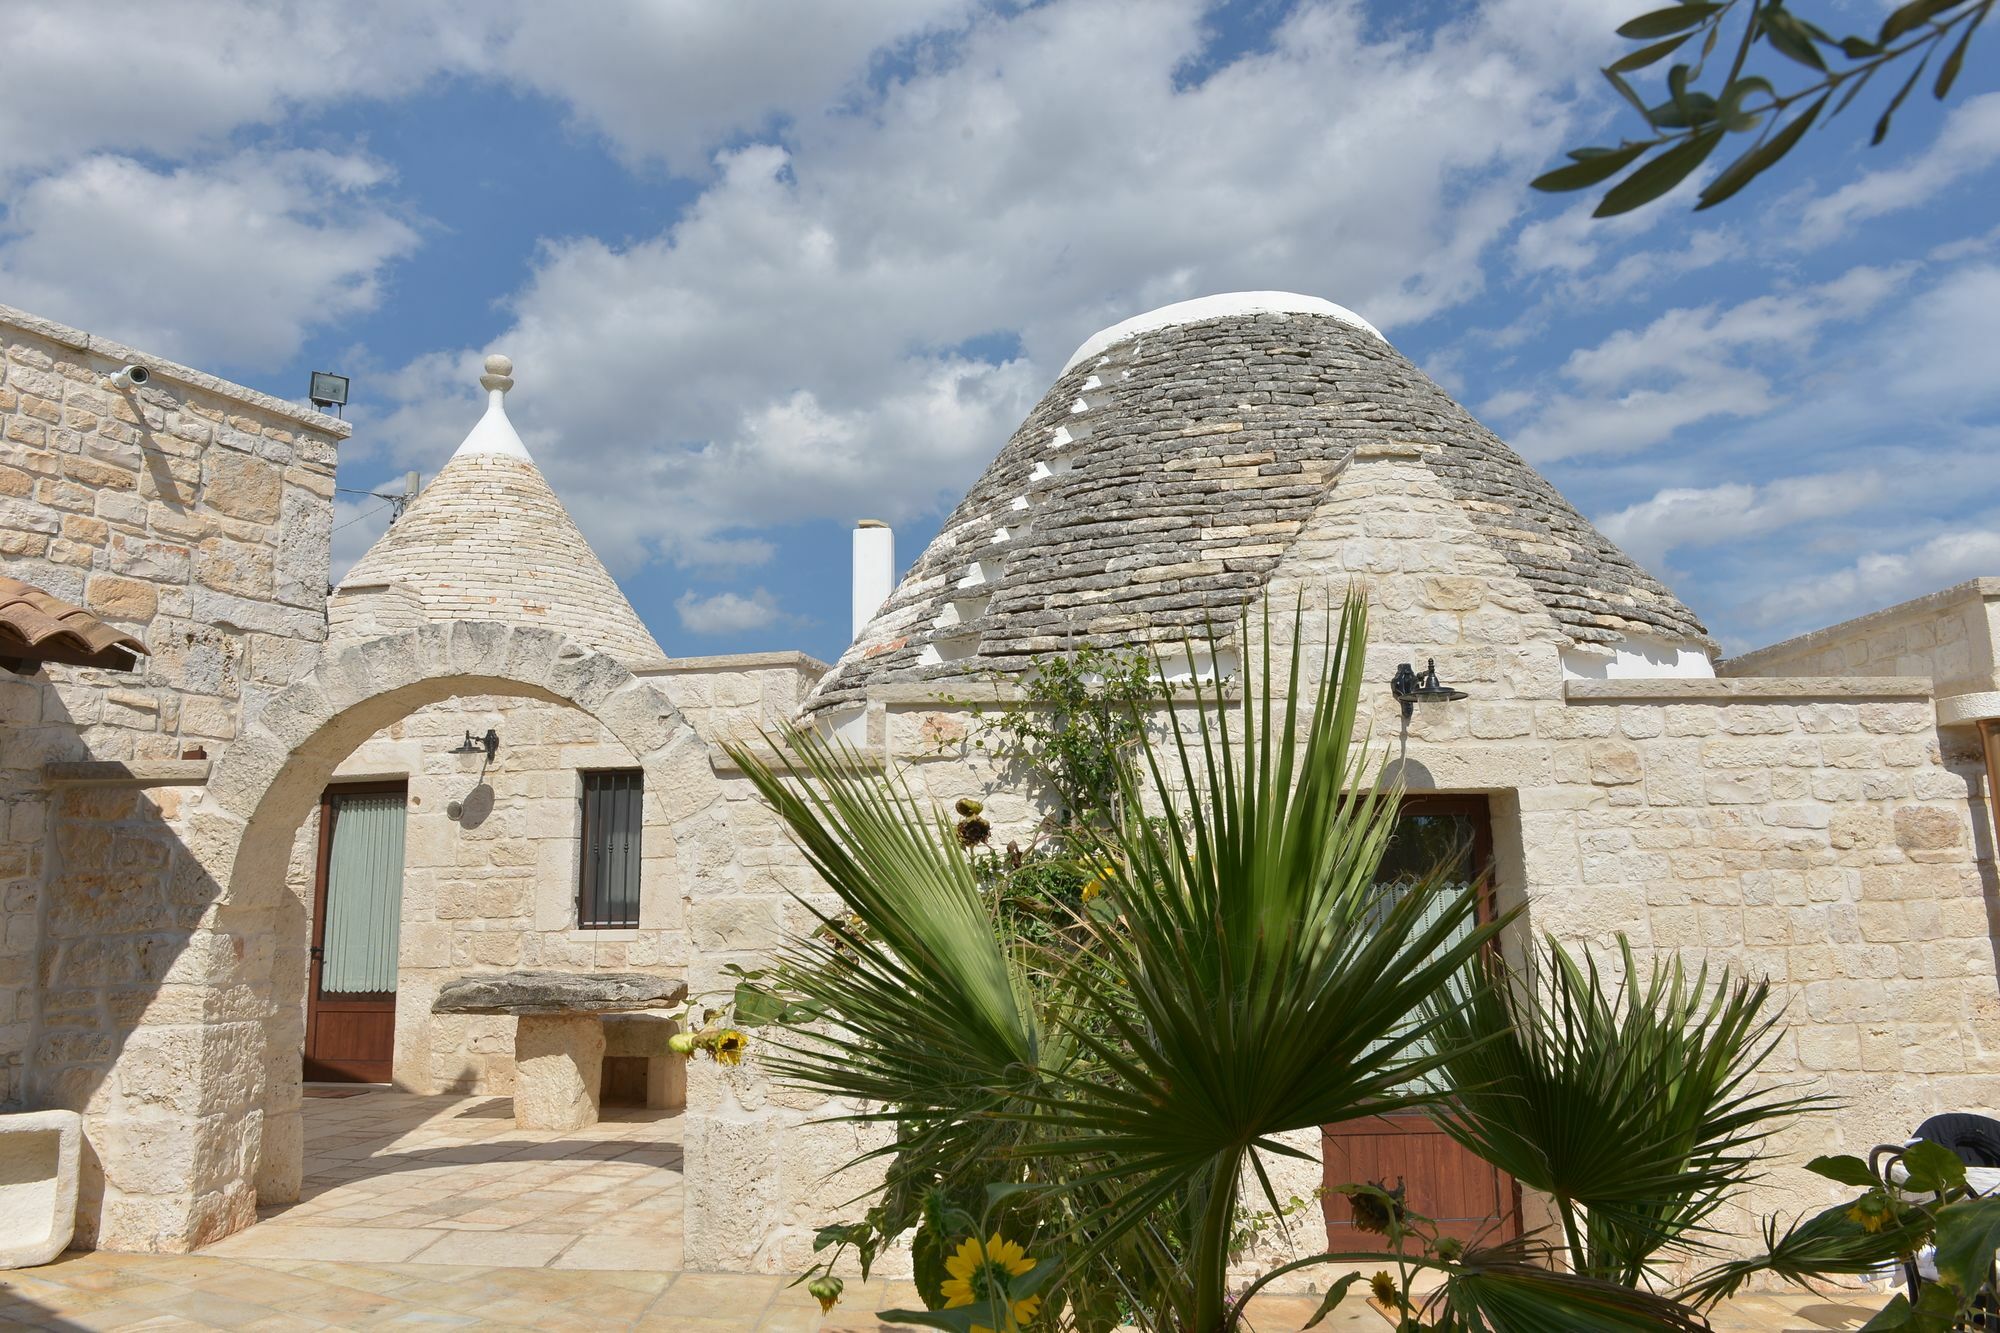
{"x":929,"y":1001}
{"x":1632,"y":1104}
{"x":1252,"y":983}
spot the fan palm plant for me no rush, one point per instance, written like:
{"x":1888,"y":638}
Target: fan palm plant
{"x":1631,"y":1103}
{"x":1239,"y":979}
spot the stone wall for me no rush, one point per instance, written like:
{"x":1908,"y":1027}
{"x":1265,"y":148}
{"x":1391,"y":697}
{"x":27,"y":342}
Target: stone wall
{"x":740,"y":697}
{"x":1948,"y":636}
{"x":196,"y":514}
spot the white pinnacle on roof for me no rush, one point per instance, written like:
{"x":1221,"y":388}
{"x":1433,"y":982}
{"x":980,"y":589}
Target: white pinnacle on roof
{"x":495,"y":434}
{"x":1223,"y":305}
{"x":489,"y":540}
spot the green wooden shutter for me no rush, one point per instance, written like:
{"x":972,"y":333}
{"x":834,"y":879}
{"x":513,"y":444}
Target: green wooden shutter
{"x":613,"y":822}
{"x":364,"y":894}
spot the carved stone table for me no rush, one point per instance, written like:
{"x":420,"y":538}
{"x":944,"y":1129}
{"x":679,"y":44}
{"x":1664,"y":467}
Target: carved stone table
{"x":558,"y":1038}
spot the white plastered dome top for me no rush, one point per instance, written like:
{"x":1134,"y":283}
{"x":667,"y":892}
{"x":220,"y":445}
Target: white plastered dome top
{"x":493,"y":433}
{"x":1223,"y":305}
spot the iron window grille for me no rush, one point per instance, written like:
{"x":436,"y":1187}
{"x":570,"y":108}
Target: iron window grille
{"x":608,"y":885}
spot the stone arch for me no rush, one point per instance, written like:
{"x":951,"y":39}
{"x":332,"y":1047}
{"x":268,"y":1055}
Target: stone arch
{"x":251,"y":1134}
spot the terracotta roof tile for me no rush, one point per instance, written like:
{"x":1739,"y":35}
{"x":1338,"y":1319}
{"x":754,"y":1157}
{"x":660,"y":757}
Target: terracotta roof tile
{"x":35,"y":628}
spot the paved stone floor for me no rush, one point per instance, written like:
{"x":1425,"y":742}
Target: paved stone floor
{"x":435,"y":1212}
{"x":392,"y":1177}
{"x":167,"y":1292}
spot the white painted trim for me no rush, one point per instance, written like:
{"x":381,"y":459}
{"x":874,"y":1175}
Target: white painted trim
{"x":1224,"y":305}
{"x":1636,"y":657}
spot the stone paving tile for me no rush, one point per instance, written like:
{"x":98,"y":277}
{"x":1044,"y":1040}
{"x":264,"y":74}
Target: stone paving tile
{"x":157,"y":1292}
{"x":393,"y":1177}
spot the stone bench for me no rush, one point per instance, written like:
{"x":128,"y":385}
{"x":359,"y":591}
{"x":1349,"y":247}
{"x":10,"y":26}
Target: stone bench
{"x":559,"y":1036}
{"x":644,"y":1037}
{"x":39,"y":1154}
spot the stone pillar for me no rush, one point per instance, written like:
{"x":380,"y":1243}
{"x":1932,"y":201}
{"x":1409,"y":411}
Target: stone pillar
{"x":558,"y":1065}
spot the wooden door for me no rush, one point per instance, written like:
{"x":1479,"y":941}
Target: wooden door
{"x":357,"y":910}
{"x":1468,"y":1198}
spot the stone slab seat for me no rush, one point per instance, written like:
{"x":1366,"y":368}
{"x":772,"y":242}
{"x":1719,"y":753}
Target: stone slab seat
{"x":39,"y":1153}
{"x":559,"y":1038}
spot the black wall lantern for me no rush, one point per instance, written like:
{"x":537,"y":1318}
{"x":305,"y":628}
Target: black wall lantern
{"x":489,"y":744}
{"x":1412,"y":689}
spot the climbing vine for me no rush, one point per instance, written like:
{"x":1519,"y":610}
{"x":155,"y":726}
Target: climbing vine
{"x":1077,"y":727}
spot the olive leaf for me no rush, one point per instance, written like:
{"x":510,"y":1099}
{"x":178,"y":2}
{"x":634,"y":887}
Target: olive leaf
{"x":1753,"y":163}
{"x":1658,"y":176}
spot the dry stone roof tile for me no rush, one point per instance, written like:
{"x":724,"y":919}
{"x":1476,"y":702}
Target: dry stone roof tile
{"x":489,"y":540}
{"x":1157,"y":486}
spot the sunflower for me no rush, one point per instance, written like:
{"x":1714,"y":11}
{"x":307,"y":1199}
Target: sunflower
{"x":982,"y":1271}
{"x":729,"y":1046}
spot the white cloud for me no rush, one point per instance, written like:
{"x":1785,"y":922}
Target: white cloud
{"x":1696,"y":516}
{"x":669,"y":79}
{"x":140,"y":76}
{"x":1046,"y":177}
{"x":1881,"y":444}
{"x":728,"y":612}
{"x":1883,"y":578}
{"x":227,"y":263}
{"x":1968,"y":143}
{"x":358,"y":523}
{"x":1689,"y":365}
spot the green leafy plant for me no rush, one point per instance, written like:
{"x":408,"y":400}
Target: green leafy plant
{"x":1077,"y":726}
{"x":1698,"y":106}
{"x":1910,"y":1199}
{"x":1630,"y":1102}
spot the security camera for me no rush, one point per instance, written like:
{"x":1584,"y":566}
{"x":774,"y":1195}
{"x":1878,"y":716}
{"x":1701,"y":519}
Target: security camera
{"x":131,"y":377}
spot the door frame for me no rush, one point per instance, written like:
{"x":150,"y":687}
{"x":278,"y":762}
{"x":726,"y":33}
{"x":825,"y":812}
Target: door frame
{"x":1478,"y":808}
{"x":317,"y":1070}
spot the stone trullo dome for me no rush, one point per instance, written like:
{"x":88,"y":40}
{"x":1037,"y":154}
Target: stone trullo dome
{"x":487,"y":539}
{"x":1165,"y":475}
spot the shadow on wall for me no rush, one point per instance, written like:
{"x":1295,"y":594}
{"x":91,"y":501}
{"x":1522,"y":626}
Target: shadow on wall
{"x":115,"y":985}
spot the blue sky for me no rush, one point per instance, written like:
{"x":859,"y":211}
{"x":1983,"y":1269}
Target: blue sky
{"x":769,"y":266}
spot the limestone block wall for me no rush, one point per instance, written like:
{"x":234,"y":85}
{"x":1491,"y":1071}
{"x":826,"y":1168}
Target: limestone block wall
{"x":496,"y":888}
{"x":194,"y":513}
{"x":740,"y":696}
{"x":1948,"y":636}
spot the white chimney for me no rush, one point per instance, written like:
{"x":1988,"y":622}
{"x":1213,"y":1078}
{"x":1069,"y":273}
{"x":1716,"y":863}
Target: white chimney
{"x":874,"y":569}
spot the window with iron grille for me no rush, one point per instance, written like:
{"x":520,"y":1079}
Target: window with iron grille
{"x":608,"y":889}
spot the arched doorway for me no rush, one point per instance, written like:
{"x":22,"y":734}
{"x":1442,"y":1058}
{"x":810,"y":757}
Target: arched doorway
{"x":249,"y":1139}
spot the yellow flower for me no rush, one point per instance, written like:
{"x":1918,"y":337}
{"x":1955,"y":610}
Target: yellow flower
{"x":1092,"y":889}
{"x":982,"y":1271}
{"x":729,"y":1046}
{"x":1383,"y":1286}
{"x":1872,"y":1212}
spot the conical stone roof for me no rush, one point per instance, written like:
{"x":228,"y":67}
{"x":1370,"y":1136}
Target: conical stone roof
{"x":1159,"y":483}
{"x":487,"y":539}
